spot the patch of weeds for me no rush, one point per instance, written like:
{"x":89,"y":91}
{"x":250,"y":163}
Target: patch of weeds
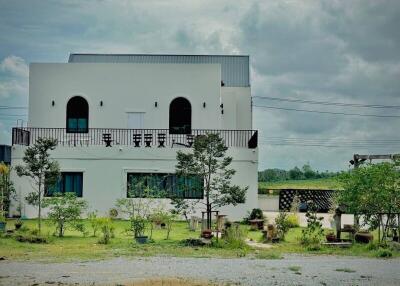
{"x":346,"y":270}
{"x":384,"y":253}
{"x":294,"y":268}
{"x":268,"y":255}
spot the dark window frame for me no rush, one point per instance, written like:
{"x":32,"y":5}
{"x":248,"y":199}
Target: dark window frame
{"x":178,"y":115}
{"x":84,"y":116}
{"x":167,"y":183}
{"x":61,"y":183}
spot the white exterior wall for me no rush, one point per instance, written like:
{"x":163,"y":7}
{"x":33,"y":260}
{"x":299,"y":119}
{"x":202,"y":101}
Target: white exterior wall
{"x":124,"y":88}
{"x":105,"y":173}
{"x":127,"y":87}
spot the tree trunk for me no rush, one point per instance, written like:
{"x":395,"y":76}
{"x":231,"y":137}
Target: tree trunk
{"x":40,"y":206}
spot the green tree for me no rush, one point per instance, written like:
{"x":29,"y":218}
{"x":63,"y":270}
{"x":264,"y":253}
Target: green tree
{"x":65,"y":210}
{"x":208,"y":161}
{"x":295,"y":173}
{"x":6,"y":189}
{"x":370,"y":191}
{"x":42,"y":170}
{"x":308,"y":172}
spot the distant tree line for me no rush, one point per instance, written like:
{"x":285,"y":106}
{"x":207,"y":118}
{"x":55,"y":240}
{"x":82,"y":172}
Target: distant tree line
{"x":296,"y":173}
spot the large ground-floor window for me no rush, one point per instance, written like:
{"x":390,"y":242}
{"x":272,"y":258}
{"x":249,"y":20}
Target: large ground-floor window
{"x":68,"y":182}
{"x":163,"y":185}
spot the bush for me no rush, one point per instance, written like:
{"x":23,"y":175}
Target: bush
{"x":313,"y":234}
{"x":293,"y":220}
{"x":65,"y":211}
{"x":282,"y":225}
{"x":31,"y":238}
{"x":235,"y":237}
{"x":107,"y":230}
{"x":254,"y":214}
{"x":383,"y":252}
{"x":95,"y":222}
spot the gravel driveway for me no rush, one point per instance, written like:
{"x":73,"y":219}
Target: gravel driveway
{"x":292,"y":270}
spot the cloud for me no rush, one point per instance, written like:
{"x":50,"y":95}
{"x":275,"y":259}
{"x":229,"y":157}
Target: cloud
{"x":339,"y":51}
{"x":16,"y":66}
{"x":13,"y":77}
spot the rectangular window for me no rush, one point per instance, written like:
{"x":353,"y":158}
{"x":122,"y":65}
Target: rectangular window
{"x":68,"y":182}
{"x":162,"y":185}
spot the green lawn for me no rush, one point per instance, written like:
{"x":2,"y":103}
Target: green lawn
{"x":322,"y":184}
{"x":76,"y":247}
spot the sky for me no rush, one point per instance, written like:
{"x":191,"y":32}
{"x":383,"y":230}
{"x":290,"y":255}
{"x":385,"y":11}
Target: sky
{"x":325,"y":56}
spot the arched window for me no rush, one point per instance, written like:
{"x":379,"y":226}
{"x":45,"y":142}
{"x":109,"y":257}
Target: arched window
{"x":77,"y":115}
{"x":180,"y":116}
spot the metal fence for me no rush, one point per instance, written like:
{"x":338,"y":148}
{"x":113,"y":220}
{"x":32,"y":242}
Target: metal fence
{"x":131,"y":137}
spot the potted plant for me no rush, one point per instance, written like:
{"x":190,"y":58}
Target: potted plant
{"x":207,"y":233}
{"x":363,"y":236}
{"x":138,"y":227}
{"x":3,"y":222}
{"x":330,"y":236}
{"x":18,"y":224}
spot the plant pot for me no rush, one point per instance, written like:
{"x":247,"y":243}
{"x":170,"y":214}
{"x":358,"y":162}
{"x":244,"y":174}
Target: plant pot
{"x":3,"y":226}
{"x":207,"y":233}
{"x":141,"y":239}
{"x":363,"y":237}
{"x":18,"y":226}
{"x":330,"y":237}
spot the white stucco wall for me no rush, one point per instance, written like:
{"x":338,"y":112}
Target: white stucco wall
{"x":127,"y":87}
{"x":105,"y":173}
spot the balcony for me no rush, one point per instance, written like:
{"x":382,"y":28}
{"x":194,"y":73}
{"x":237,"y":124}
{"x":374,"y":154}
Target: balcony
{"x":148,"y":138}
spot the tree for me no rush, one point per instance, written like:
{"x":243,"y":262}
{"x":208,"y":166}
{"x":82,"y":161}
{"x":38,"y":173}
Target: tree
{"x":6,"y":189}
{"x":41,"y":169}
{"x":295,"y":173}
{"x":372,"y":191}
{"x":65,"y":210}
{"x":208,"y":161}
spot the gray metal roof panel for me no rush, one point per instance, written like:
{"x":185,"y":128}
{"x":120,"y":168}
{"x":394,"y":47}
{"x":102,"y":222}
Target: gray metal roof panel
{"x":234,"y":68}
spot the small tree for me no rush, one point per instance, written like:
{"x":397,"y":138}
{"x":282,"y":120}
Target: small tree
{"x":208,"y":161}
{"x":372,"y":191}
{"x":6,"y":189}
{"x":313,"y":234}
{"x":65,"y":211}
{"x":183,"y":207}
{"x":41,"y":169}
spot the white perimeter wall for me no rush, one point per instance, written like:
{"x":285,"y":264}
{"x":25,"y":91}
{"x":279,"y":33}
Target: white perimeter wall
{"x":105,"y":173}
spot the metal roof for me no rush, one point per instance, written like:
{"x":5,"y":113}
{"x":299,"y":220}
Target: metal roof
{"x":234,"y":68}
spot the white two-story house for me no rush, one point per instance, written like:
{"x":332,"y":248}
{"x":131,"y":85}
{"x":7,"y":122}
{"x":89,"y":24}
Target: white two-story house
{"x":117,"y":118}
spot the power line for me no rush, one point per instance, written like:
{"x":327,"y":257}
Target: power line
{"x":327,"y":112}
{"x":329,"y":102}
{"x":330,"y":139}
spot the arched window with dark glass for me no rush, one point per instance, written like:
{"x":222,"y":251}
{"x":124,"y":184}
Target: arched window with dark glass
{"x":77,"y":115}
{"x":180,"y":116}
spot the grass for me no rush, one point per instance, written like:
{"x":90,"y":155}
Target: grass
{"x":76,"y":247}
{"x":320,"y":184}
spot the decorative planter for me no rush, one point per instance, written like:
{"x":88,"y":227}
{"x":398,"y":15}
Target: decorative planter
{"x":363,"y":237}
{"x":207,"y":233}
{"x":141,"y":239}
{"x":3,"y":226}
{"x":330,"y":237}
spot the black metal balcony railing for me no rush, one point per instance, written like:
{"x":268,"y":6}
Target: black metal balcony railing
{"x":130,"y":137}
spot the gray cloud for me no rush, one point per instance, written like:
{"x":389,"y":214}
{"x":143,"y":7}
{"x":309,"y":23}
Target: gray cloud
{"x":340,"y":51}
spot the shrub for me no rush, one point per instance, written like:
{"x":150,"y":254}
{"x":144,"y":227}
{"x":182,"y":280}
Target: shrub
{"x":107,"y":230}
{"x":313,"y":235}
{"x":113,"y":213}
{"x":31,"y":238}
{"x":384,"y":252}
{"x":95,"y":222}
{"x":235,"y":237}
{"x":65,"y":211}
{"x":254,"y":214}
{"x":293,"y":220}
{"x":282,"y":225}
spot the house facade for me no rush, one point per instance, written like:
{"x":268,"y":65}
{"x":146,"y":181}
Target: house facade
{"x":118,"y":118}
